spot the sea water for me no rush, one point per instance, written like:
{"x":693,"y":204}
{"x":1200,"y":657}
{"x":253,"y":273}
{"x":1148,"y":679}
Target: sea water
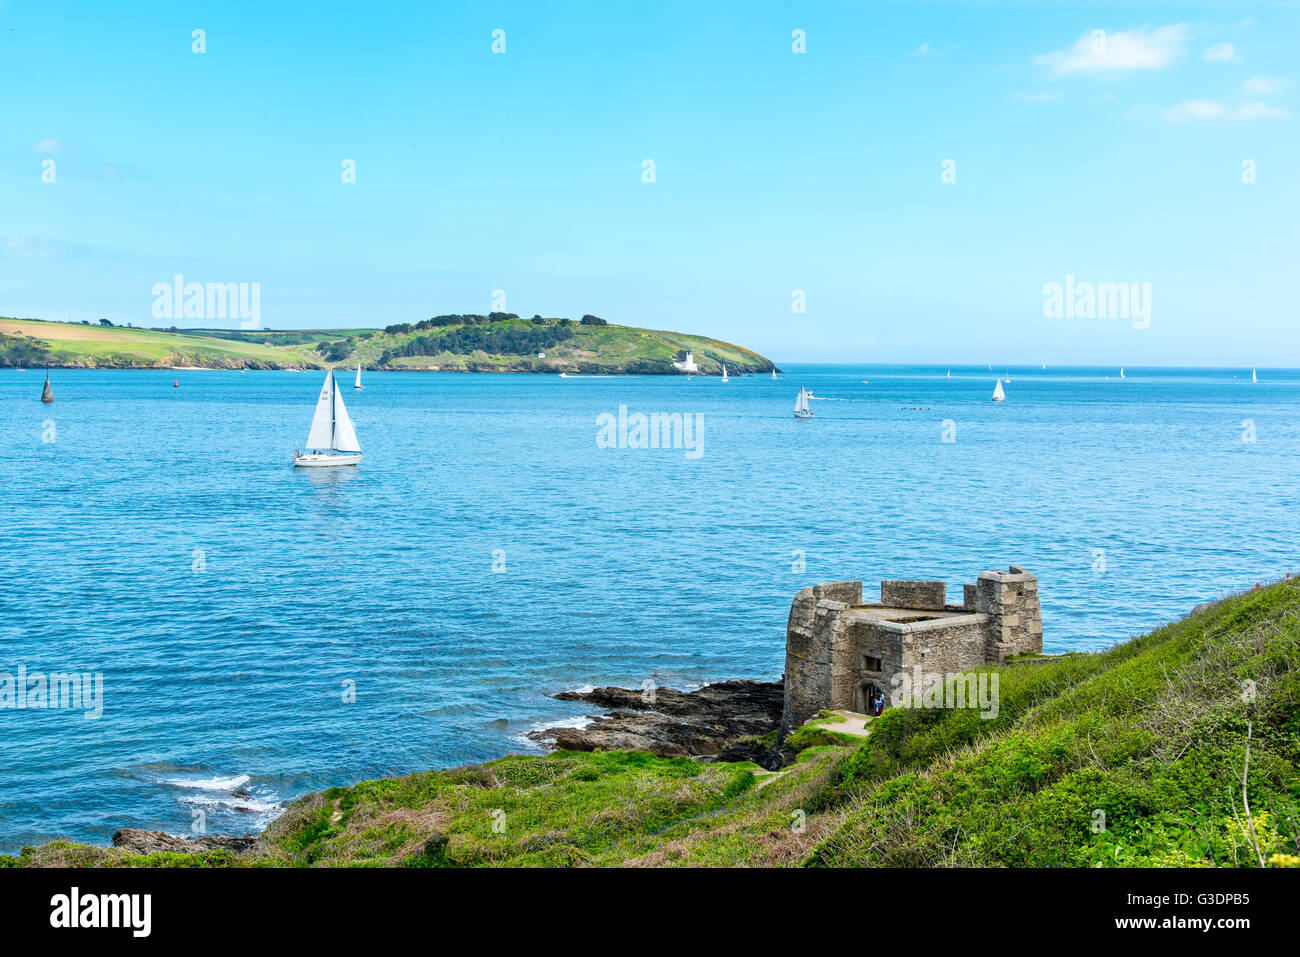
{"x":262,"y":631}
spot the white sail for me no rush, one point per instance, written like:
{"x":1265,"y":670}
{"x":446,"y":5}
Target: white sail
{"x":345,"y":436}
{"x":1121,"y":372}
{"x":773,"y":373}
{"x":724,"y":372}
{"x":358,"y":385}
{"x":998,"y":394}
{"x":321,"y":435}
{"x":1253,"y":376}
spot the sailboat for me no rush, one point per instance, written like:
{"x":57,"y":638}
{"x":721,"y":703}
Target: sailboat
{"x":801,"y":410}
{"x":1253,"y":377}
{"x":774,"y":374}
{"x":998,"y":394}
{"x":724,"y":373}
{"x":358,"y":385}
{"x":949,"y":373}
{"x":1121,"y":372}
{"x":331,"y":432}
{"x":47,"y":394}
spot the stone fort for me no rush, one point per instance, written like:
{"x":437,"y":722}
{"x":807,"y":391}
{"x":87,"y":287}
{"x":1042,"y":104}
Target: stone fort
{"x":839,"y":650}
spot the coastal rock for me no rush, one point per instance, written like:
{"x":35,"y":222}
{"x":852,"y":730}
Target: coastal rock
{"x":711,"y":723}
{"x":136,"y":841}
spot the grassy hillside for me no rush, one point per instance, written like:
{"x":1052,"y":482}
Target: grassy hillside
{"x":1187,"y":739}
{"x":497,"y":343}
{"x":32,"y":342}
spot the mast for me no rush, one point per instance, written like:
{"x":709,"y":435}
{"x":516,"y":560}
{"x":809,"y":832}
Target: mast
{"x":334,"y":388}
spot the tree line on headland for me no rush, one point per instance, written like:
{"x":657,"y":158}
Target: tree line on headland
{"x":497,"y":333}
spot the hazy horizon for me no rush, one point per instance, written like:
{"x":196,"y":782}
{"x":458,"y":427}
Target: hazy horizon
{"x":964,"y":364}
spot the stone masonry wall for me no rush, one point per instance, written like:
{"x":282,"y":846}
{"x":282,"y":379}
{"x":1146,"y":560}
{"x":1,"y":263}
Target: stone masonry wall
{"x":814,"y":632}
{"x":872,"y":639}
{"x":913,"y":594}
{"x":1015,"y":618}
{"x":945,"y":647}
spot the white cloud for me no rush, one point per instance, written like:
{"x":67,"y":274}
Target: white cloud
{"x":1221,"y":53}
{"x":1196,"y":110}
{"x":928,"y":49}
{"x":1260,"y":111}
{"x":1046,"y":96}
{"x":1266,"y":84}
{"x":1216,"y":110}
{"x":1101,"y":52}
{"x":51,"y":145}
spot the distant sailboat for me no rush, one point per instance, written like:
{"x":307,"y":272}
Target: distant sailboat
{"x":773,"y":373}
{"x":1253,"y":376}
{"x":1121,"y":372}
{"x":1044,"y":366}
{"x":801,"y":410}
{"x":331,"y":432}
{"x":998,"y":394}
{"x":949,"y":373}
{"x":724,"y":373}
{"x":47,"y":394}
{"x":358,"y":385}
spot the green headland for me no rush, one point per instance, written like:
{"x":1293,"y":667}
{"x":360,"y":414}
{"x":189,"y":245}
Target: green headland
{"x":1179,"y":748}
{"x":498,"y":342}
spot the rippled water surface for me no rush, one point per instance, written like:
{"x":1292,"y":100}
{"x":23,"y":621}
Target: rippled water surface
{"x":163,"y":539}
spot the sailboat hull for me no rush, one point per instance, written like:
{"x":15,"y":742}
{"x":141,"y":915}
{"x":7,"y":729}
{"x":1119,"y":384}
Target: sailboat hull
{"x":317,"y":460}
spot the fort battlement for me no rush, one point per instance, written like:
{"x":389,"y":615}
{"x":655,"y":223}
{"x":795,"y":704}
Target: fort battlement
{"x":839,"y":650}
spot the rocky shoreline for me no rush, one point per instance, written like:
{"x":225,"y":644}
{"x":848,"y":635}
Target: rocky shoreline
{"x":728,"y":721}
{"x":135,"y":841}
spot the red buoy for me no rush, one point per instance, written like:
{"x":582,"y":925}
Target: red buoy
{"x":176,"y":383}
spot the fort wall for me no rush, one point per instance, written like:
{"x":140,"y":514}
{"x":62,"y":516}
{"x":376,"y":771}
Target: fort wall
{"x":839,"y":650}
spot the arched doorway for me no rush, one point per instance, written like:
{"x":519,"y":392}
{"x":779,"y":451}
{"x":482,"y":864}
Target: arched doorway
{"x":862,"y":698}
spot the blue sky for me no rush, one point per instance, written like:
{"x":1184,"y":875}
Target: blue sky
{"x":774,"y":170}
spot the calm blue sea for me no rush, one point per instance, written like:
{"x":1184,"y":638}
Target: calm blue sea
{"x":161,"y":537}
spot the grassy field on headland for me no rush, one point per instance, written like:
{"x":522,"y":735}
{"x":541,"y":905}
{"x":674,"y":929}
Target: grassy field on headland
{"x":1180,"y":748}
{"x":496,"y":343}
